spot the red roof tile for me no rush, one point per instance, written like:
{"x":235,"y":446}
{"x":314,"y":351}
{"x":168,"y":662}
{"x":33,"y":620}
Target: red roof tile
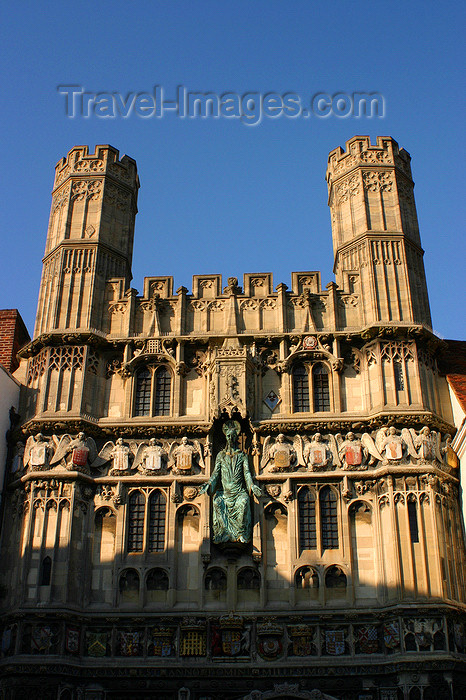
{"x":453,"y":362}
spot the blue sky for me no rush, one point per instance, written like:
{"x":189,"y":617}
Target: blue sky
{"x":218,"y":195}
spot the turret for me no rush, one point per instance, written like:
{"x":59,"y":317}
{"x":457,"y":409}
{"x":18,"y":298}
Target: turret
{"x":89,"y":239}
{"x":375,"y":230}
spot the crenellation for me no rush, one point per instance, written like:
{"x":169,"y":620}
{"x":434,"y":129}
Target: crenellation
{"x":105,"y":159}
{"x":359,"y":150}
{"x":206,"y":309}
{"x":158,"y":287}
{"x":306,"y":280}
{"x":258,"y":284}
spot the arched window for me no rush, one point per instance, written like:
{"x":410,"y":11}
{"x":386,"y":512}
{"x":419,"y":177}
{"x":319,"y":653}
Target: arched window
{"x":129,"y":586}
{"x":399,"y":376}
{"x":248,"y":580}
{"x":439,"y":641}
{"x":157,"y":507}
{"x":136,"y":508}
{"x":45,"y":572}
{"x":306,"y":577}
{"x":328,"y":518}
{"x":157,"y":580}
{"x":162,"y":392}
{"x":410,"y":642}
{"x":335,"y":577}
{"x":320,"y":388}
{"x":307,"y":519}
{"x":143,"y":391}
{"x":412,"y":518}
{"x":300,"y":389}
{"x":215,"y":580}
{"x":146,"y":528}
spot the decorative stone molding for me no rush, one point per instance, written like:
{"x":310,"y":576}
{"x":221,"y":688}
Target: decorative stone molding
{"x":377,"y":181}
{"x":347,"y":188}
{"x":86,"y":189}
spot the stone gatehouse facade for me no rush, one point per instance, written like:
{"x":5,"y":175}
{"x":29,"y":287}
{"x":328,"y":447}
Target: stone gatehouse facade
{"x":352,"y":584}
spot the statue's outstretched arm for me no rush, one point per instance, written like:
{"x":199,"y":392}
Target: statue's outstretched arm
{"x":250,"y":485}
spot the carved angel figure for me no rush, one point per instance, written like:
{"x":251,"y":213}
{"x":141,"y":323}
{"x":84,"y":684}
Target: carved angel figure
{"x":319,"y":454}
{"x":120,"y":453}
{"x":79,"y":453}
{"x":184,"y":454}
{"x":424,"y":446}
{"x":354,"y":452}
{"x":427,"y":445}
{"x":38,"y":452}
{"x":391,"y":446}
{"x":279,"y":453}
{"x":151,"y":457}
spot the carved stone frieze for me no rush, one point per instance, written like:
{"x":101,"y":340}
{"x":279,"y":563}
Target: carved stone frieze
{"x":94,"y":165}
{"x":363,"y":487}
{"x":347,"y":188}
{"x":86,"y":189}
{"x":375,"y":181}
{"x":117,"y":308}
{"x":61,"y":198}
{"x":249,"y":305}
{"x":117,"y":196}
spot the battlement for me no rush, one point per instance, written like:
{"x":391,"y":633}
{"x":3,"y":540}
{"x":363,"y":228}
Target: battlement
{"x":104,"y":161}
{"x":360,"y":152}
{"x":211,"y":286}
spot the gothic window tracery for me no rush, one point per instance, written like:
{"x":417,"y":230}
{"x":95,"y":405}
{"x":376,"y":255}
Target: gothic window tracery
{"x":136,"y":507}
{"x":328,"y":518}
{"x":156,"y":530}
{"x":162,"y":392}
{"x":152,"y":392}
{"x":146,"y":522}
{"x":307,"y":519}
{"x":300,"y":389}
{"x":143,"y":392}
{"x":311,"y":387}
{"x":320,"y":388}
